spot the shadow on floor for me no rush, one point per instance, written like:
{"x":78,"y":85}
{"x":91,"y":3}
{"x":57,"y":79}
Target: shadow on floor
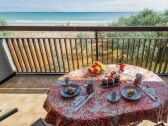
{"x":28,"y":84}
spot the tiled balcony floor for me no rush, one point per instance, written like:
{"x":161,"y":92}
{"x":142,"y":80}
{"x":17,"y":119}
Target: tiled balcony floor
{"x":28,"y":84}
{"x":165,"y":78}
{"x":27,"y":93}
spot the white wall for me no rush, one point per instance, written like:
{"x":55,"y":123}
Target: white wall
{"x":5,"y":67}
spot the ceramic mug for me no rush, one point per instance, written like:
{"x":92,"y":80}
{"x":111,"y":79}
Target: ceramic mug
{"x":121,"y":66}
{"x":113,"y":95}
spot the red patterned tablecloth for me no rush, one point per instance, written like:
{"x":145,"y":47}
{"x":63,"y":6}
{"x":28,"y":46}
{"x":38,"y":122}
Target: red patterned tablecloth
{"x":98,"y":111}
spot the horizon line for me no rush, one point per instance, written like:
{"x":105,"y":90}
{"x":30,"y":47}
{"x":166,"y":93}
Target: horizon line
{"x":74,"y":11}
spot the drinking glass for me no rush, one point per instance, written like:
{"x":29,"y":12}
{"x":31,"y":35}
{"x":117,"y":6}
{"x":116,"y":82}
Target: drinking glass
{"x":66,"y":80}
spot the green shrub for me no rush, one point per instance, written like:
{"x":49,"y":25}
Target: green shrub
{"x":3,"y":34}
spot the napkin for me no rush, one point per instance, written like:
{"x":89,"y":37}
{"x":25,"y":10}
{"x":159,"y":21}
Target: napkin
{"x":149,"y":91}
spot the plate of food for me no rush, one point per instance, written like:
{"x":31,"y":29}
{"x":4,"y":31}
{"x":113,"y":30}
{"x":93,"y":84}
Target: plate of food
{"x":70,"y":90}
{"x":131,"y":93}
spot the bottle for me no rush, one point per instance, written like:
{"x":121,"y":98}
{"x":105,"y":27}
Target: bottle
{"x":89,"y":88}
{"x":135,"y":82}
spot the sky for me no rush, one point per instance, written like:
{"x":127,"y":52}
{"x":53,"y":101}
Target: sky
{"x":81,"y":5}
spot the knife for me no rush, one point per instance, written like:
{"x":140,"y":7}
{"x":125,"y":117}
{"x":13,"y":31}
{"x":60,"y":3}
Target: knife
{"x":83,"y":102}
{"x":151,"y":95}
{"x":79,"y":101}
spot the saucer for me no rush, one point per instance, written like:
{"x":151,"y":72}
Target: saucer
{"x":117,"y":98}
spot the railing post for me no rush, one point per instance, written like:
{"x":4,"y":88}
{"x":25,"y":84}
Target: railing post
{"x":96,"y":37}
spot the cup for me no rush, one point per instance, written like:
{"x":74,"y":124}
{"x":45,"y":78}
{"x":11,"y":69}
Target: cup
{"x":113,"y":95}
{"x":121,"y":66}
{"x":139,"y":78}
{"x":66,"y":80}
{"x":130,"y":79}
{"x":89,"y":87}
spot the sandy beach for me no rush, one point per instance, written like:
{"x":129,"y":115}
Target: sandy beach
{"x":57,"y":34}
{"x":64,"y":23}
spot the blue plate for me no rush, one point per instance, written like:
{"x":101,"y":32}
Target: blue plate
{"x":65,"y":94}
{"x":134,"y":97}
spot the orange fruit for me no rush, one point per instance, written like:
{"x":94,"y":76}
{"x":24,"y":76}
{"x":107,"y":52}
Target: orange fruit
{"x":97,"y":63}
{"x":97,"y":70}
{"x":91,"y":70}
{"x":93,"y":66}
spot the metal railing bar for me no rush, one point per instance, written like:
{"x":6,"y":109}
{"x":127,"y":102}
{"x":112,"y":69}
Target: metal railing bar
{"x":27,"y":50}
{"x":60,"y":44}
{"x":52,"y":54}
{"x":97,"y":46}
{"x":77,"y":53}
{"x":117,"y":41}
{"x":36,"y":54}
{"x":10,"y":37}
{"x":19,"y":60}
{"x":92,"y":49}
{"x":26,"y":57}
{"x":32,"y":49}
{"x":132,"y":56}
{"x":102,"y":42}
{"x":56,"y":50}
{"x":81,"y":46}
{"x":148,"y":52}
{"x":72,"y":54}
{"x":157,"y":58}
{"x":144,"y":42}
{"x":41,"y":54}
{"x":162,"y":56}
{"x":21,"y":54}
{"x":152,"y":56}
{"x":128,"y":43}
{"x":12,"y":54}
{"x":122,"y":54}
{"x":112,"y":49}
{"x":83,"y":28}
{"x":107,"y":50}
{"x":87,"y":51}
{"x":66,"y":51}
{"x":137,"y":56}
{"x":46,"y":53}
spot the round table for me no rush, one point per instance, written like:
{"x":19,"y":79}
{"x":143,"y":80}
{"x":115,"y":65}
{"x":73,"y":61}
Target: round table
{"x":98,"y":111}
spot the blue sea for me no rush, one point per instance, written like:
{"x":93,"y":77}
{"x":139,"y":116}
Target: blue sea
{"x":58,"y":17}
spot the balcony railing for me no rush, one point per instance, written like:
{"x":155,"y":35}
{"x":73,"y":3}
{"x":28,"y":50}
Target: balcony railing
{"x":61,"y":55}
